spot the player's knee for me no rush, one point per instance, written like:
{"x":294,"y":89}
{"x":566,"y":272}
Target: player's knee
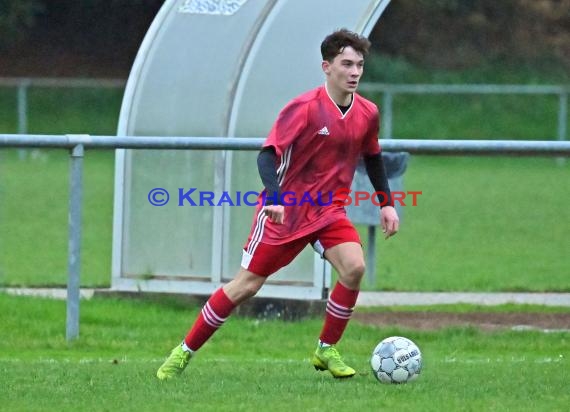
{"x":251,"y":285}
{"x":354,"y":272}
{"x":243,"y":286}
{"x":250,"y":289}
{"x":358,"y":269}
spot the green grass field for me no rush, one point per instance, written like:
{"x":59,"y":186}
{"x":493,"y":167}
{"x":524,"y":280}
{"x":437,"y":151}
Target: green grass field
{"x":33,"y":218}
{"x":481,"y":224}
{"x":253,"y":364}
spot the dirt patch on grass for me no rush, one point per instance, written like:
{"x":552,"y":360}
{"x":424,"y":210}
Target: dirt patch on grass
{"x":484,"y":321}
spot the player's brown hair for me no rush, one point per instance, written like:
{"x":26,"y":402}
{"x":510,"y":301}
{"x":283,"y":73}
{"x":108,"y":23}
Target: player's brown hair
{"x":335,"y":43}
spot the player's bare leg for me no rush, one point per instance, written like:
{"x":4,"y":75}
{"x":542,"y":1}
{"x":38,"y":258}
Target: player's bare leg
{"x":244,"y":286}
{"x":348,"y":260}
{"x":213,"y":315}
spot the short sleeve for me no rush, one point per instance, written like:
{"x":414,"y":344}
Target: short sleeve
{"x":370,"y":145}
{"x":290,"y":123}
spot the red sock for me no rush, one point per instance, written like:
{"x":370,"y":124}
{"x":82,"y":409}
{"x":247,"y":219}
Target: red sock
{"x":339,"y":309}
{"x":211,"y":318}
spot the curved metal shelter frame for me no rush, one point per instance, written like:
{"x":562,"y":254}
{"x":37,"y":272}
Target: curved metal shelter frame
{"x":214,"y":68}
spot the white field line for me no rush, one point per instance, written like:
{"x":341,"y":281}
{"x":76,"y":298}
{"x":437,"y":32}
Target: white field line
{"x":546,"y":360}
{"x":149,"y":361}
{"x":527,"y":328}
{"x":557,"y":359}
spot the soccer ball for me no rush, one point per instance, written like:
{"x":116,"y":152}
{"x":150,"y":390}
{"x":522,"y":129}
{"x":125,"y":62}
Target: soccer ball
{"x":396,"y":360}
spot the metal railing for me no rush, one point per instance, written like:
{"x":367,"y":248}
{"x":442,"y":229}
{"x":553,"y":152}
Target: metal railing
{"x":78,"y":143}
{"x":23,"y":84}
{"x":388,"y":91}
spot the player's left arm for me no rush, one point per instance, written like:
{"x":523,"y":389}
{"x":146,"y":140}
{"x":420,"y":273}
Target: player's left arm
{"x":376,"y":171}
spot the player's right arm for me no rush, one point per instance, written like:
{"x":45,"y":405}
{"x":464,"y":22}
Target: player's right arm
{"x":289,"y":125}
{"x":266,"y":160}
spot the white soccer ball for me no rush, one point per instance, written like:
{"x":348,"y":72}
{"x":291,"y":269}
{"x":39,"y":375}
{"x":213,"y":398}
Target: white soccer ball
{"x":396,"y":360}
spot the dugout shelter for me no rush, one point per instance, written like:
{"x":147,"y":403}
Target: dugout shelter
{"x":214,"y":68}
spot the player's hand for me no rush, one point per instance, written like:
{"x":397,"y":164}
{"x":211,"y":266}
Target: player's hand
{"x":275,"y":213}
{"x":389,"y":221}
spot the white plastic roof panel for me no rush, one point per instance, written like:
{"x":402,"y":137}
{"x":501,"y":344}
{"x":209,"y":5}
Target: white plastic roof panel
{"x":214,"y":68}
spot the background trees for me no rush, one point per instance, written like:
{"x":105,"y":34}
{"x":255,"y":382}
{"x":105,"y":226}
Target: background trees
{"x":101,"y":37}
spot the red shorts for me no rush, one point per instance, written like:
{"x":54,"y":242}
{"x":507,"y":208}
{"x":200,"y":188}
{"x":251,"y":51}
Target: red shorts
{"x":264,"y":259}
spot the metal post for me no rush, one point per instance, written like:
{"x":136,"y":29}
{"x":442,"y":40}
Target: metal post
{"x":22,"y":104}
{"x":371,"y":257}
{"x":74,"y":258}
{"x":562,"y":119}
{"x":387,"y":115}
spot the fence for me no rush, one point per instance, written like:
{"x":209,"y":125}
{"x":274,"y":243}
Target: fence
{"x":388,"y":91}
{"x":22,"y":86}
{"x":78,"y":143}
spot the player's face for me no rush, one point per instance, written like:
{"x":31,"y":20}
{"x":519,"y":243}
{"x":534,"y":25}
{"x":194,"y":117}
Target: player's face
{"x":344,"y":72}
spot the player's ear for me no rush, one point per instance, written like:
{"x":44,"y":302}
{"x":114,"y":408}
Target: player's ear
{"x":326,"y":66}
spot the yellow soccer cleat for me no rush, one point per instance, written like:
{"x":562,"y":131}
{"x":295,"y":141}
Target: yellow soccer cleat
{"x":328,"y":358}
{"x":174,"y":364}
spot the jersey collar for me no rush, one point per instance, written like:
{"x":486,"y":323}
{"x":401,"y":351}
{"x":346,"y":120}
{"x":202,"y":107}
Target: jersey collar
{"x":342,"y":115}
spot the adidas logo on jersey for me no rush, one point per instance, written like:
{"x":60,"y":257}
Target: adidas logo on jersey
{"x":324,"y":131}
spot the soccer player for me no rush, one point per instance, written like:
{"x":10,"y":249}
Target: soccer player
{"x":310,"y":154}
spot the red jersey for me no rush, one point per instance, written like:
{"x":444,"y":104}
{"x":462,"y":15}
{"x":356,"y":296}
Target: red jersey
{"x":318,"y":148}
